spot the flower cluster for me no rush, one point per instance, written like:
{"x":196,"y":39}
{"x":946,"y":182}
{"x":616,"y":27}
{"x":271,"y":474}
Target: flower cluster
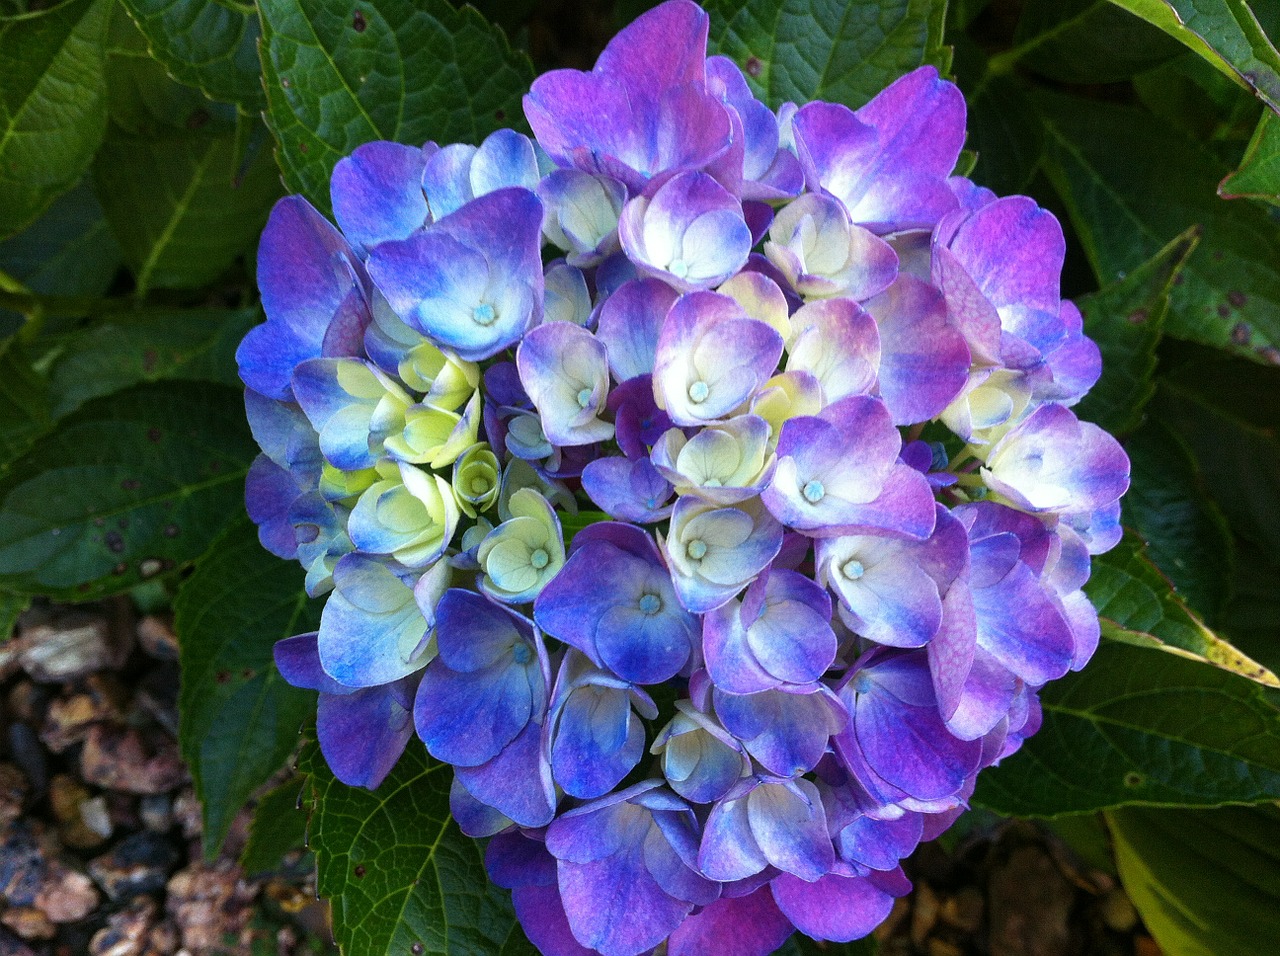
{"x":699,"y":481}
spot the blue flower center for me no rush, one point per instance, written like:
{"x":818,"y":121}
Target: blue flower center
{"x":698,"y":392}
{"x":679,"y":268}
{"x":853,"y":569}
{"x":814,"y":492}
{"x":540,"y":559}
{"x":584,"y":398}
{"x":696,"y":549}
{"x":484,"y":314}
{"x":521,"y":653}
{"x":650,"y":604}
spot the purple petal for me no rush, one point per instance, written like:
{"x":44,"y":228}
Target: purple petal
{"x":363,"y":734}
{"x":750,"y":925}
{"x":628,"y":490}
{"x":377,"y":193}
{"x":835,"y":907}
{"x":924,"y":362}
{"x":517,"y":782}
{"x":629,"y":323}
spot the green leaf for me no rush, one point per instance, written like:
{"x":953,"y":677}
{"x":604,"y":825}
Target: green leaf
{"x":24,"y":403}
{"x":1085,"y":41}
{"x":398,"y":871}
{"x":337,"y":77}
{"x":279,"y":827}
{"x":1225,"y":32}
{"x":1131,"y":186}
{"x":127,"y":349}
{"x":803,"y":50}
{"x":130,"y":486}
{"x":142,"y":98}
{"x":11,"y":608}
{"x":1259,"y":174}
{"x":183,"y":207}
{"x":1226,"y":411}
{"x":67,"y":251}
{"x":1168,"y":505}
{"x":239,"y":720}
{"x":52,"y":105}
{"x":1190,"y":95}
{"x":1139,"y":726}
{"x":1207,"y":882}
{"x":1126,"y":319}
{"x":207,"y":44}
{"x":1133,"y":597}
{"x":1003,"y":127}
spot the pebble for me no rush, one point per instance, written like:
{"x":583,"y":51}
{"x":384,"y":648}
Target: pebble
{"x":156,"y":812}
{"x":12,"y":945}
{"x":964,"y":910}
{"x":210,"y":902}
{"x":14,"y":791}
{"x":127,"y":931}
{"x":157,"y":638}
{"x":131,"y":760}
{"x":25,"y":749}
{"x":99,"y":699}
{"x":1118,"y":913}
{"x":138,"y":864}
{"x":70,"y":648}
{"x":69,"y":799}
{"x":28,"y":922}
{"x":1031,"y":904}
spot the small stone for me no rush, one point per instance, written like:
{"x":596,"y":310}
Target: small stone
{"x":69,"y":717}
{"x":137,"y":865}
{"x":25,"y":749}
{"x":14,"y":791}
{"x":1031,"y":903}
{"x":131,"y":760}
{"x":942,"y":947}
{"x":157,"y":638}
{"x":28,"y":922}
{"x":80,"y":824}
{"x":210,"y":902}
{"x":924,"y":913}
{"x":72,"y":647}
{"x":157,"y":696}
{"x":187,"y":814}
{"x":156,"y":812}
{"x":96,"y":817}
{"x":11,"y":945}
{"x":28,"y":702}
{"x":126,"y":932}
{"x":1118,"y":912}
{"x":964,"y":910}
{"x":68,"y":896}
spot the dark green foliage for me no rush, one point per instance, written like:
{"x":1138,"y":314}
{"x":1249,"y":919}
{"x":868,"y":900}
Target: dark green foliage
{"x":239,"y":719}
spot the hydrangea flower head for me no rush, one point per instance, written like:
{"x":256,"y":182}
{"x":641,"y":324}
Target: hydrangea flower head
{"x":700,"y":482}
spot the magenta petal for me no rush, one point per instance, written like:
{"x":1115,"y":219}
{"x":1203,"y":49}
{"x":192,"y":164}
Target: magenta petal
{"x":750,"y":925}
{"x":838,"y":908}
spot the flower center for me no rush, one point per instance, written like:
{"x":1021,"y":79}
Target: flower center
{"x":679,"y":268}
{"x":650,"y":604}
{"x":853,"y":569}
{"x":696,"y":549}
{"x":698,"y":392}
{"x":521,"y":653}
{"x":584,"y":398}
{"x":539,"y":559}
{"x":814,"y":492}
{"x":484,"y":314}
{"x":480,"y":486}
